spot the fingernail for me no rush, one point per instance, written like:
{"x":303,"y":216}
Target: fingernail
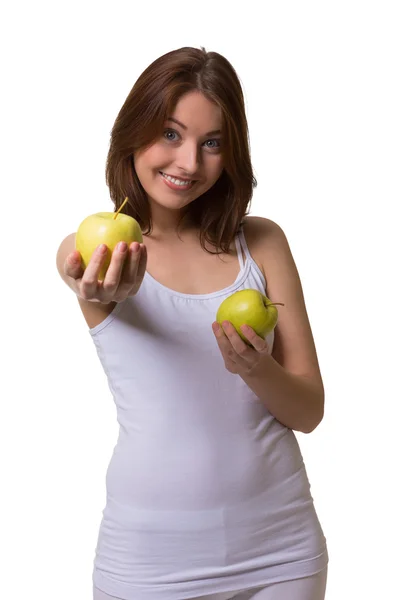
{"x":135,"y":247}
{"x":122,"y":246}
{"x":215,"y":327}
{"x":102,"y":248}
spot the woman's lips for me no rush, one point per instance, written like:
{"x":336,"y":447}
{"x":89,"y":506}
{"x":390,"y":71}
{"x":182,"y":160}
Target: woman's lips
{"x":176,"y":186}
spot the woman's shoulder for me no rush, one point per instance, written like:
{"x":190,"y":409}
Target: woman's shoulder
{"x":261,"y":229}
{"x":265,"y":240}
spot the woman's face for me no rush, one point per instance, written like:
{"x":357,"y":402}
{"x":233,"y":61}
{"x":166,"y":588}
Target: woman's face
{"x":186,"y":161}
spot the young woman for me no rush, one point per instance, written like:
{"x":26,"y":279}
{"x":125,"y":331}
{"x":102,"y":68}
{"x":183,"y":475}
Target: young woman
{"x":207,"y":492}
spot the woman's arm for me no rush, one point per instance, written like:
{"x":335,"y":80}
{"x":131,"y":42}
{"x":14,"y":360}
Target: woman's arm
{"x":289,"y":381}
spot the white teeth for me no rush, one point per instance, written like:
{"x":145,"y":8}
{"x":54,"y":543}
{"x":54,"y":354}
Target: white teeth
{"x":176,"y":181}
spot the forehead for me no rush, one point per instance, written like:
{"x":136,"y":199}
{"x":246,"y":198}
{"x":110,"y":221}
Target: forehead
{"x":197,"y":112}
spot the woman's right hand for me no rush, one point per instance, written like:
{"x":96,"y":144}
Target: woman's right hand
{"x":123,"y":277}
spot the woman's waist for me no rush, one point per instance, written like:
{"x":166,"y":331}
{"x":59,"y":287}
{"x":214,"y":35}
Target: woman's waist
{"x":196,"y":472}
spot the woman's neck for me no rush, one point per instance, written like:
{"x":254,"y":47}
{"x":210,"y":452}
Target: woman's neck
{"x":168,"y":224}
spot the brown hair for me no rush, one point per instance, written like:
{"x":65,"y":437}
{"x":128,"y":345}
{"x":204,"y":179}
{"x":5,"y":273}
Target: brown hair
{"x":218,"y":212}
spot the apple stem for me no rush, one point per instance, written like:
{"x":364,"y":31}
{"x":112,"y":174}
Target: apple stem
{"x":120,"y":208}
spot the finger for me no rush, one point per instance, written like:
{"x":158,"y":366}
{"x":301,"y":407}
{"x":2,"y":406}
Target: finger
{"x":89,"y":283}
{"x":73,"y":266}
{"x":131,"y":266}
{"x":114,"y":271}
{"x":224,"y":344}
{"x":241,"y":348}
{"x":141,"y":268}
{"x":258,"y":343}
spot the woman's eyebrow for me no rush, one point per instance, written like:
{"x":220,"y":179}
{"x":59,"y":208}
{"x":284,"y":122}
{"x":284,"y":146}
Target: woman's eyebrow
{"x":214,"y":132}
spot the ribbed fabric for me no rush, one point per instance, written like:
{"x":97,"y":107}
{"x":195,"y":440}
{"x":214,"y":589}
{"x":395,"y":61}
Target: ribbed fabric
{"x":206,"y":491}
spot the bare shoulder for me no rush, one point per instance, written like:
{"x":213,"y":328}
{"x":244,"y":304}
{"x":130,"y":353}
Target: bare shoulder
{"x":262,"y":230}
{"x":94,"y":313}
{"x":262,"y":236}
{"x":270,"y":248}
{"x":294,"y":346}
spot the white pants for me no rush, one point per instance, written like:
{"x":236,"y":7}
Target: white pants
{"x":307,"y":588}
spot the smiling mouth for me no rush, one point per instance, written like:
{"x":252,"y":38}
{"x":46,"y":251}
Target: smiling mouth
{"x":177,"y":181}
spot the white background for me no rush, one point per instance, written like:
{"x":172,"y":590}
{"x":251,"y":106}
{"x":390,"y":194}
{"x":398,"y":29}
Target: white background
{"x":321,"y":81}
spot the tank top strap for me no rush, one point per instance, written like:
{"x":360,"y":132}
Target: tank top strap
{"x":242,"y":248}
{"x":239,"y":250}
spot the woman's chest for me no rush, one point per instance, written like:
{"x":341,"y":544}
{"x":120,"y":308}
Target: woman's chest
{"x":191,"y":271}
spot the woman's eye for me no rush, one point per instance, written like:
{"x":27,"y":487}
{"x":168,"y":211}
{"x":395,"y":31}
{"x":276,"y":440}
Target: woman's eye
{"x":212,"y":144}
{"x":169,"y":135}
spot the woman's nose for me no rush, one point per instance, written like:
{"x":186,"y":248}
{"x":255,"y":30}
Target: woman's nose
{"x":188,"y":158}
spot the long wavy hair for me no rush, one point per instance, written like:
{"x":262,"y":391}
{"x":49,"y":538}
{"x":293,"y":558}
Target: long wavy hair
{"x":219,"y":212}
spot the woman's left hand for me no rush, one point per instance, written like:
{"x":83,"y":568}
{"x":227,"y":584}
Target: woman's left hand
{"x":240,"y":358}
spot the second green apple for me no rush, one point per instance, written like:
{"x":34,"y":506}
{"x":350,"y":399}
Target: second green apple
{"x":249,"y":307}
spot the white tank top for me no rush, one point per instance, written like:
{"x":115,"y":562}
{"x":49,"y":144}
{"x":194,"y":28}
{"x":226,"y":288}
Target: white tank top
{"x":206,"y":491}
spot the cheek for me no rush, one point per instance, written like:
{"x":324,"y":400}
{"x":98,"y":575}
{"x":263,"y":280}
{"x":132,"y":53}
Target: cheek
{"x":215,"y":167}
{"x":151,"y":158}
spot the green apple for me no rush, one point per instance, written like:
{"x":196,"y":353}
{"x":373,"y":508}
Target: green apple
{"x":106,"y":228}
{"x":249,"y":307}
